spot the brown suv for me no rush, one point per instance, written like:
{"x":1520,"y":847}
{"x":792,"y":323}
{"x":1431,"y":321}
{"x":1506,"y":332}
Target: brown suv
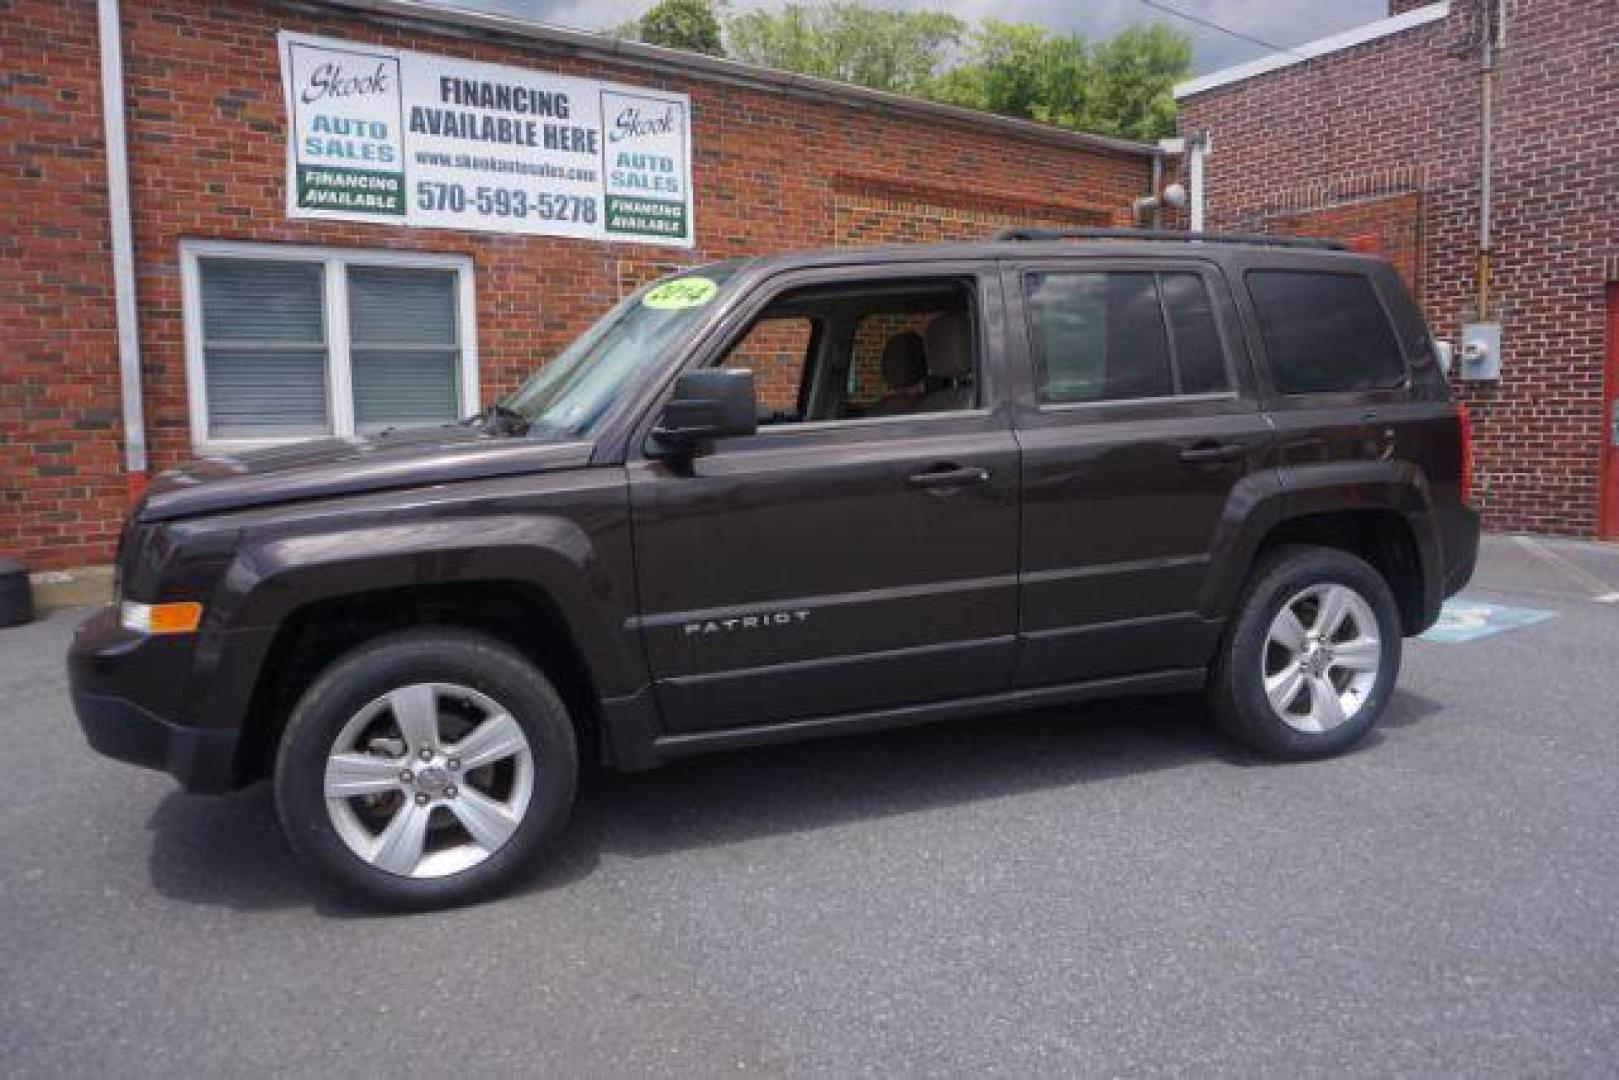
{"x":794,"y":496}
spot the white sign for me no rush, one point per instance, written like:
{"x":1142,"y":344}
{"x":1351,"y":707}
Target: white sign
{"x":385,"y":135}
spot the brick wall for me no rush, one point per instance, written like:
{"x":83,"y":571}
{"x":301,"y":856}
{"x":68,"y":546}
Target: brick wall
{"x":60,"y":460}
{"x":1312,"y":146}
{"x":207,"y":159}
{"x":1390,"y":226}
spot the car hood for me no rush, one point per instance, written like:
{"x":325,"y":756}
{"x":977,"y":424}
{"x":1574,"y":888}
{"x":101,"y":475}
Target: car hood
{"x":323,"y":468}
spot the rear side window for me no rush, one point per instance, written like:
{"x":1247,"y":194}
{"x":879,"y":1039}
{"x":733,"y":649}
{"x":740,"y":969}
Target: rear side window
{"x":1198,"y":357}
{"x":1117,"y":335}
{"x":1324,"y":332}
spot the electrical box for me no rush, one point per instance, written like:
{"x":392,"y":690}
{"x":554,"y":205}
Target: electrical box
{"x":1481,"y":352}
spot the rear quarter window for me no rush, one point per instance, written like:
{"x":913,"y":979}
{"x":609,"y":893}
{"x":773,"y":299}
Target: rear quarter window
{"x":1408,"y":321}
{"x":1324,"y":332}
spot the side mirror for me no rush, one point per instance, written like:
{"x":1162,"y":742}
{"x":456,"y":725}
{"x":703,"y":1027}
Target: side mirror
{"x":714,"y":403}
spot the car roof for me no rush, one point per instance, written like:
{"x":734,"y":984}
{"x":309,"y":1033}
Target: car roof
{"x":1248,"y":251}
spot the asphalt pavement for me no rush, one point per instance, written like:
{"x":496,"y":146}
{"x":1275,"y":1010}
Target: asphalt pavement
{"x":1112,"y":889}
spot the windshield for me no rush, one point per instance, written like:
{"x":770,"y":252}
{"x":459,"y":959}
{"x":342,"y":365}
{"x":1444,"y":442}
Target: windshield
{"x":571,"y":393}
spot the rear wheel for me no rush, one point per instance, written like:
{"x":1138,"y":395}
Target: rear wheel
{"x":423,"y":769}
{"x":1311,"y":657}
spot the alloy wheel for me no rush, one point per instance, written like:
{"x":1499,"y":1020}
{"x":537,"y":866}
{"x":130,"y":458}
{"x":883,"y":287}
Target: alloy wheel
{"x":429,"y":779}
{"x":1321,"y":658}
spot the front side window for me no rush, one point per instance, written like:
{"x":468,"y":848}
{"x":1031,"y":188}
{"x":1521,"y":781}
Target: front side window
{"x":883,"y":368}
{"x":1122,"y":335}
{"x":777,"y":351}
{"x":1324,"y":332}
{"x":886,"y":349}
{"x":299,"y":344}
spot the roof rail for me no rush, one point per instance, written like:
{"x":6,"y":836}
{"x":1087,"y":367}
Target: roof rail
{"x":1020,"y":233}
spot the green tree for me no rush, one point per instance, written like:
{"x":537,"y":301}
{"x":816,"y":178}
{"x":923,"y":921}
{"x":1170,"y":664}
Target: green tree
{"x":1123,"y":86}
{"x":1133,"y":80}
{"x":1119,"y":87}
{"x":1023,"y":70}
{"x":681,"y":24}
{"x":901,"y":51}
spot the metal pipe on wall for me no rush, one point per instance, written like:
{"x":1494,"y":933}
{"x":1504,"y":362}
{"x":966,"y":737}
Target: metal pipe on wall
{"x":123,"y":245}
{"x":1157,"y":187}
{"x":1493,"y":36}
{"x":1197,"y":145}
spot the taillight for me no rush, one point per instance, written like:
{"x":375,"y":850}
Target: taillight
{"x":1464,"y":424}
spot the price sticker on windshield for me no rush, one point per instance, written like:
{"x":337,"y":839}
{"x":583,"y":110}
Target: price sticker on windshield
{"x":686,"y":292}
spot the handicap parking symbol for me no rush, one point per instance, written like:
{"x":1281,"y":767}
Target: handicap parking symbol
{"x":1462,"y":620}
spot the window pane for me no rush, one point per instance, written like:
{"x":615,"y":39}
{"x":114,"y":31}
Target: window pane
{"x":264,"y":356}
{"x":1197,"y":340}
{"x":401,"y":306}
{"x":775,"y":350}
{"x":251,"y":300}
{"x":912,"y":353}
{"x":266,"y":393}
{"x":896,"y":383}
{"x":402,"y":333}
{"x":404,"y":387}
{"x":1324,"y":332}
{"x":1098,"y":337}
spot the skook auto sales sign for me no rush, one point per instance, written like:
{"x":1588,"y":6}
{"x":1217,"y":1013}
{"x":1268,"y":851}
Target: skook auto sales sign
{"x":399,"y":137}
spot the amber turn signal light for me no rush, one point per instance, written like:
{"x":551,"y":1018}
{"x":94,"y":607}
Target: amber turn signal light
{"x":181,"y":617}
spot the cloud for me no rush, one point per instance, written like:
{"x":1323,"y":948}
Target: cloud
{"x":1283,"y":22}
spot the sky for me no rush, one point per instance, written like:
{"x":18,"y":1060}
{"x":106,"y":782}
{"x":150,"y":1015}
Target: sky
{"x":1280,"y":22}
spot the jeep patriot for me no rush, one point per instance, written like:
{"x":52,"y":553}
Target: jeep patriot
{"x":802,"y":495}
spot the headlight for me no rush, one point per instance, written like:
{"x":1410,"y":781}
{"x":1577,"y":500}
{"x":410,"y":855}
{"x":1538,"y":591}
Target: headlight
{"x":182,"y":617}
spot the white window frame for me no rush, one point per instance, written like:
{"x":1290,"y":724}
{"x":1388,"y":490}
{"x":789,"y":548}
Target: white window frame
{"x":339,"y":369}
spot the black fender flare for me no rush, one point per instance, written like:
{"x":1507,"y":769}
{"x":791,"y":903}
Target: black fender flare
{"x":273,"y":577}
{"x":1348,"y":487}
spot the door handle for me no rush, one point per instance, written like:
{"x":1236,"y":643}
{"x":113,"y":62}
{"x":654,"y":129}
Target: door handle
{"x":948,"y":476}
{"x":1213,"y":453}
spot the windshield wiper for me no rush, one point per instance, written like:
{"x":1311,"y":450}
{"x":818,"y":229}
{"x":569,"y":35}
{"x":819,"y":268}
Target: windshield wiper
{"x":500,"y":420}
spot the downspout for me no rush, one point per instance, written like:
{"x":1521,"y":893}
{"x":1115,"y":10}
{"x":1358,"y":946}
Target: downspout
{"x":1157,"y":186}
{"x":123,"y":246}
{"x":1197,"y":144}
{"x":1493,"y":37}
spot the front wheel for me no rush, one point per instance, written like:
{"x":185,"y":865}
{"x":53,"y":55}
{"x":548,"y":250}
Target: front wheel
{"x":424,"y":768}
{"x":1312,"y":655}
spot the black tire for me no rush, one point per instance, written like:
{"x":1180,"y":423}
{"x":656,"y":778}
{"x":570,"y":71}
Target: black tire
{"x":387,"y":663}
{"x":1236,"y":687}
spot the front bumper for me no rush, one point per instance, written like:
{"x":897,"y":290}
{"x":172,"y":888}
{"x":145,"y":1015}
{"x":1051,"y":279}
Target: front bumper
{"x":203,"y":761}
{"x":109,"y":671}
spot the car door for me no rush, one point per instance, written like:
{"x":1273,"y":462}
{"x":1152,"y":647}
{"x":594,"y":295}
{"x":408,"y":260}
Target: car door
{"x":1139,"y":429}
{"x":1336,"y":370}
{"x":823,"y":568}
